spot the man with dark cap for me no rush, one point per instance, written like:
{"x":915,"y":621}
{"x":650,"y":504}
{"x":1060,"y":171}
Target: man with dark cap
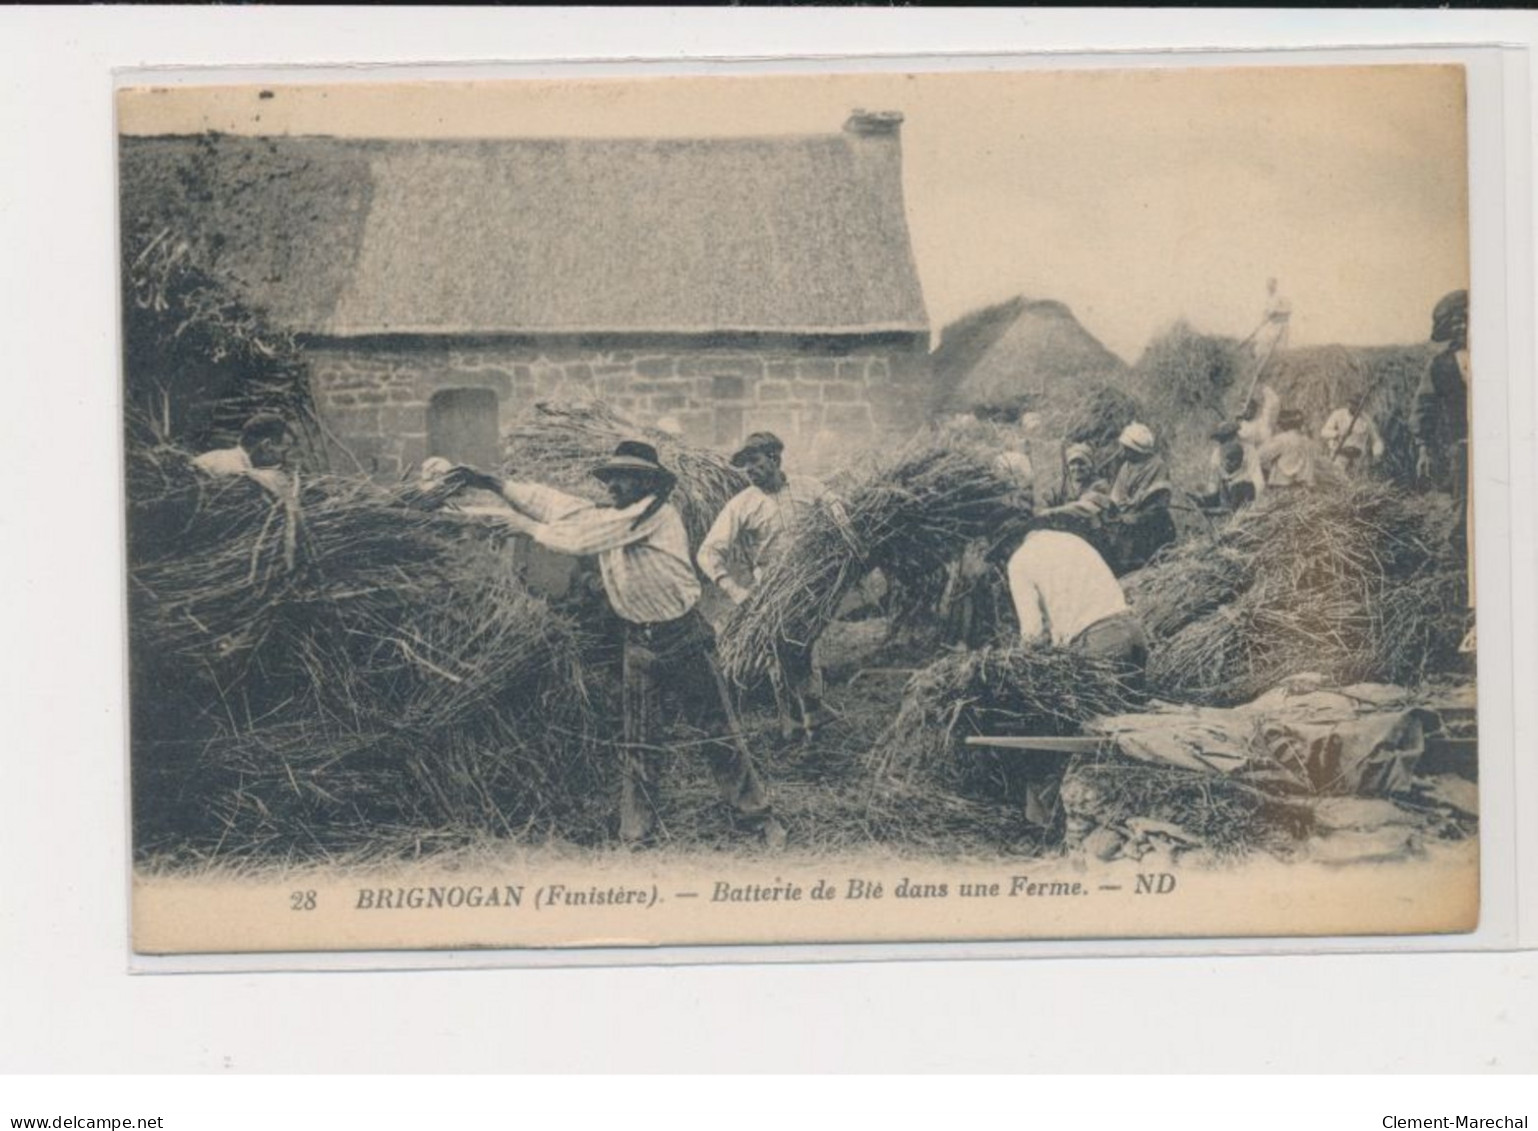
{"x":643,"y":557}
{"x":758,"y":523}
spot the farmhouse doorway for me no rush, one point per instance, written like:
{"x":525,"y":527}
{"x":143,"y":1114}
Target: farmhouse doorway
{"x":462,"y":427}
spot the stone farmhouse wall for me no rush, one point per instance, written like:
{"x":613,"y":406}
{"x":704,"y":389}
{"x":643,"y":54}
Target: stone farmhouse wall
{"x":378,"y":401}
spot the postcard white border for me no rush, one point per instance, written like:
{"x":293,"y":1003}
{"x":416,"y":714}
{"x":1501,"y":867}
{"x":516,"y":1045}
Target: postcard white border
{"x":64,"y":920}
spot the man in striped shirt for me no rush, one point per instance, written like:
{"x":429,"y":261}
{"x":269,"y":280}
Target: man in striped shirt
{"x":643,"y":557}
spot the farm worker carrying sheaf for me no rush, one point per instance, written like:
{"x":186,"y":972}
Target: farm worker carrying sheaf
{"x":669,"y":649}
{"x":759,"y":523}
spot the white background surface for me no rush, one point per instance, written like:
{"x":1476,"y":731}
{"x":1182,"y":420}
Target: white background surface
{"x":67,"y":1002}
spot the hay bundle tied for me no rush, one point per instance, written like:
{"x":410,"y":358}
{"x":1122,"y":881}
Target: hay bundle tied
{"x":558,"y":443}
{"x":999,"y":690}
{"x":908,"y":514}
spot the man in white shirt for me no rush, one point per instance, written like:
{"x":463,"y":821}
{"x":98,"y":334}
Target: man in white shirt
{"x":1350,"y":437}
{"x":261,"y":454}
{"x":759,"y":524}
{"x":1067,"y":597}
{"x":643,"y":556}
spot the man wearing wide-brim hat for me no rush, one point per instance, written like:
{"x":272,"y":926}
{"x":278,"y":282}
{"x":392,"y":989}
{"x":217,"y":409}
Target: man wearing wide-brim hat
{"x":759,"y":523}
{"x":669,"y":649}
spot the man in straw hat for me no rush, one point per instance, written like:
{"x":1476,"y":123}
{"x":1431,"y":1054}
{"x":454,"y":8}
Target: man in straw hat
{"x":1066,"y":596}
{"x":643,"y":557}
{"x":1138,"y":518}
{"x":758,"y":523}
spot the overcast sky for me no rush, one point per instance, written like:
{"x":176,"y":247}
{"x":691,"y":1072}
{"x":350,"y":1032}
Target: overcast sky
{"x":1135,"y":196}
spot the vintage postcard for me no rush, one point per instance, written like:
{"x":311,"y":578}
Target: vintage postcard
{"x":801,"y":508}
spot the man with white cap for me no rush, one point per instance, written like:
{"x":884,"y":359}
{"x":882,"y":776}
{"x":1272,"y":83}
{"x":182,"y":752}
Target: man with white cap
{"x":1138,"y":519}
{"x":648,"y":576}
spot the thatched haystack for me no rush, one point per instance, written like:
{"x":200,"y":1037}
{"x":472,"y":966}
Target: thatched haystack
{"x":558,"y":442}
{"x":1022,"y":354}
{"x":1359,"y":582}
{"x":309,"y":671}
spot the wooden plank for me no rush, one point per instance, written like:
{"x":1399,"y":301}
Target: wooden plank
{"x":1046,"y":744}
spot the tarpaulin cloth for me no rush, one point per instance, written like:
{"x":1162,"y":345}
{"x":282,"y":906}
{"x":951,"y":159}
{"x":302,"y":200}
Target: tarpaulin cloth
{"x":1365,"y":739}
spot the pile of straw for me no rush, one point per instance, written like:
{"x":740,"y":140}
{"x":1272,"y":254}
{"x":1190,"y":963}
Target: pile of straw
{"x":559,"y":442}
{"x":308,"y":671}
{"x":1358,"y":582}
{"x":998,"y":690}
{"x":909,"y":515}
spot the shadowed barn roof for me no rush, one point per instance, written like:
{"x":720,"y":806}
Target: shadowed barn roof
{"x":1001,"y":353}
{"x":340,"y":237}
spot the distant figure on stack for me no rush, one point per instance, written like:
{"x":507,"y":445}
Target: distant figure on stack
{"x":1275,"y":323}
{"x":668,"y":648}
{"x":261,"y":454}
{"x":1290,"y":458}
{"x":1138,"y":521}
{"x":1066,"y":596}
{"x":759,"y":523}
{"x":1351,"y":438}
{"x":1234,"y":479}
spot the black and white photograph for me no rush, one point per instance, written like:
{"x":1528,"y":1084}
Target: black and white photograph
{"x":922,"y":506}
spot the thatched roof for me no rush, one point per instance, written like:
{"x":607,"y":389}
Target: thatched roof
{"x":344,"y":237}
{"x":1016,"y":350}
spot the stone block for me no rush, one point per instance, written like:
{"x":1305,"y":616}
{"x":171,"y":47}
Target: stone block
{"x":350,"y":422}
{"x":403,"y":395}
{"x":843,"y":391}
{"x":668,"y":402}
{"x":780,"y":370}
{"x":370,"y":396}
{"x":342,"y":398}
{"x":850,"y":418}
{"x":851,"y":369}
{"x":817,"y":369}
{"x":396,"y":420}
{"x":773,"y":390}
{"x":783,"y":422}
{"x":655,"y":366}
{"x":807,"y":391}
{"x":728,"y":387}
{"x":877,"y":370}
{"x":720,"y":365}
{"x":611,"y":386}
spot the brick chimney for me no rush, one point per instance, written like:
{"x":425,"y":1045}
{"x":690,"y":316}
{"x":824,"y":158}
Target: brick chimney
{"x":874,"y":123}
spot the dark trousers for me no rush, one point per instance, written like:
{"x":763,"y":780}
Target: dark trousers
{"x":673,"y":664}
{"x":1037,"y":779}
